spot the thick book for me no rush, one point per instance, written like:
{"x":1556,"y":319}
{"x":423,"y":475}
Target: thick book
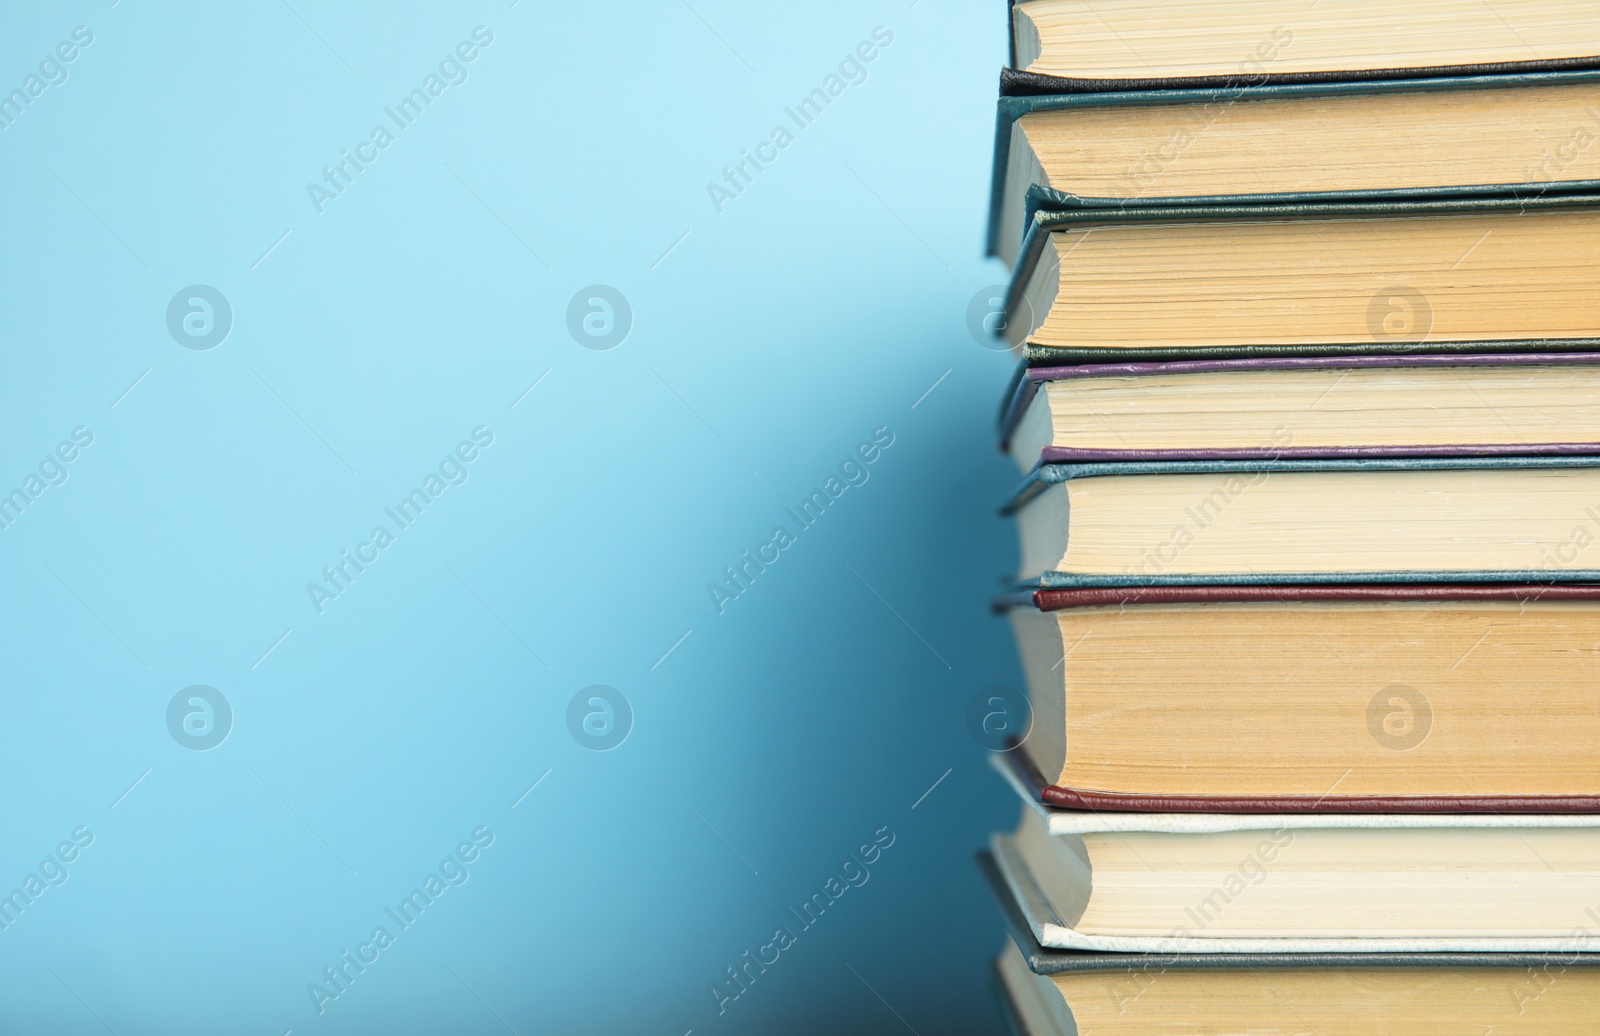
{"x":1510,"y":404}
{"x":1286,"y":522}
{"x":1053,"y":992}
{"x":1411,"y":699}
{"x":1066,"y":45}
{"x":1385,"y":140}
{"x":1464,"y":275}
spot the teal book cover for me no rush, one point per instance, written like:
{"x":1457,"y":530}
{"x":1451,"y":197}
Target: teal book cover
{"x":1214,"y":96}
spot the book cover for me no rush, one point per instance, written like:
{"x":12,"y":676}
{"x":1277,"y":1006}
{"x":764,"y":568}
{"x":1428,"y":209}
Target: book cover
{"x":1012,"y":107}
{"x":1028,"y":381}
{"x":1230,"y":812}
{"x":1043,"y":221}
{"x":1016,"y":82}
{"x":1024,"y":779}
{"x":1050,"y":474}
{"x":1044,"y":960}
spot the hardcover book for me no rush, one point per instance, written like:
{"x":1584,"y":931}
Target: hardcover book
{"x":1066,"y":45}
{"x":1306,"y":407}
{"x":1022,"y":776}
{"x":1457,"y":276}
{"x":1411,"y":699}
{"x":1373,"y":519}
{"x":1054,"y":992}
{"x":1386,"y":140}
{"x":1384,"y":888}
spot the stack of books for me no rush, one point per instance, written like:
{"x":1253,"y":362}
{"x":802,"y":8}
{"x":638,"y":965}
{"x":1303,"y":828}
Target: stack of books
{"x":1307,"y":299}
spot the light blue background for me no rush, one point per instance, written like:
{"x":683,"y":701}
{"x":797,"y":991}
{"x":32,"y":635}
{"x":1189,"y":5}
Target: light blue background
{"x":766,"y":344}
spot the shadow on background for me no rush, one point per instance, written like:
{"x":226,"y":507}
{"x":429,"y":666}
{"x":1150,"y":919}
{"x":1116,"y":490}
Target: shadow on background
{"x":275,"y":353}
